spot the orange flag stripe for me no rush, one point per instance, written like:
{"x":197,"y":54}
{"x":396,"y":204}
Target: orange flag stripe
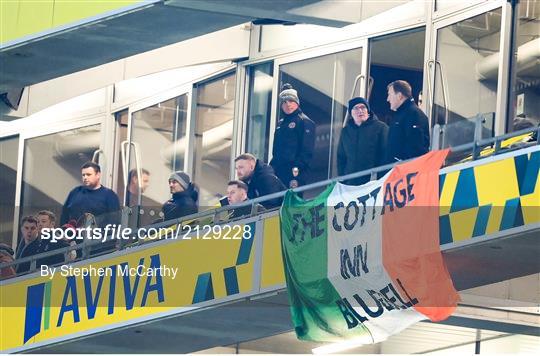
{"x":411,"y":250}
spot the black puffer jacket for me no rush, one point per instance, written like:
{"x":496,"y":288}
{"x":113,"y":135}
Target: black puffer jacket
{"x":182,"y":203}
{"x":408,"y":135}
{"x":361,"y":147}
{"x":294,"y":143}
{"x":264,"y":182}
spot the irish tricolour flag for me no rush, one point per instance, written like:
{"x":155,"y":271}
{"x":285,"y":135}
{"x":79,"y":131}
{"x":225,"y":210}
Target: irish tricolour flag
{"x":364,"y":261}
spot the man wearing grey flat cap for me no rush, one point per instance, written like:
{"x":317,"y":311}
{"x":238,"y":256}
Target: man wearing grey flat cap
{"x":294,"y":141}
{"x":184,"y":197}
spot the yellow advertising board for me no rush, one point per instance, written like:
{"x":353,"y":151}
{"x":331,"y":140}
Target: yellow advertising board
{"x":130,"y":286}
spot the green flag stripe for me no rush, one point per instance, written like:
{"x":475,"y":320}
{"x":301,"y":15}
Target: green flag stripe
{"x":312,"y":297}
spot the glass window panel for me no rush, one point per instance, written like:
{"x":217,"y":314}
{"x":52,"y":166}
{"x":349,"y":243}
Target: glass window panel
{"x":52,"y":167}
{"x":324,"y":86}
{"x":348,"y":65}
{"x":526,"y":89}
{"x":158,"y":148}
{"x":213,"y":138}
{"x":398,"y":56}
{"x":260,"y":103}
{"x":466,"y":80}
{"x":9,"y":156}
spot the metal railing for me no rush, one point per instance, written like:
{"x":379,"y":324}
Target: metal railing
{"x":215,"y":215}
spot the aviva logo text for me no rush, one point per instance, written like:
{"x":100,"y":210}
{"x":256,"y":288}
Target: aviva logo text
{"x":38,"y":296}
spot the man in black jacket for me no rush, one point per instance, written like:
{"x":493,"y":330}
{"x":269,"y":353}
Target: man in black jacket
{"x":184,"y":197}
{"x":408,"y":136}
{"x":29,"y":244}
{"x":362,"y":144}
{"x":294,"y":141}
{"x":260,"y":179}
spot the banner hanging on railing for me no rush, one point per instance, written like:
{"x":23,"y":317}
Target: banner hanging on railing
{"x":365,"y":262}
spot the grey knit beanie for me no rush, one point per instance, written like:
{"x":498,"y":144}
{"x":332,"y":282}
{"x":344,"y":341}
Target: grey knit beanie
{"x":181,"y":178}
{"x":288,"y":93}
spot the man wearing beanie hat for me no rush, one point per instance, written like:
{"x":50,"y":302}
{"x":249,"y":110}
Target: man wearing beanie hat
{"x":362,"y":143}
{"x":294,"y":140}
{"x":184,"y":197}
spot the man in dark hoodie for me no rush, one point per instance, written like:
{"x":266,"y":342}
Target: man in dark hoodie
{"x":260,"y":179}
{"x":184,"y":197}
{"x":362,"y":144}
{"x":408,"y":135}
{"x":294,"y":141}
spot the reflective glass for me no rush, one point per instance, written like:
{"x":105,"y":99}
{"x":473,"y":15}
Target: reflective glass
{"x":260,"y":103}
{"x":526,"y":86}
{"x":466,"y":80}
{"x":52,"y":167}
{"x":158,"y":148}
{"x":213,"y":138}
{"x":398,"y":56}
{"x":9,"y":156}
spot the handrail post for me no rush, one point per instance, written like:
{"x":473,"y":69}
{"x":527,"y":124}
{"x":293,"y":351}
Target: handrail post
{"x":85,"y":248}
{"x":215,"y":217}
{"x":430,"y":96}
{"x":477,"y":136}
{"x":497,"y":146}
{"x":436,"y":137}
{"x":253,"y":209}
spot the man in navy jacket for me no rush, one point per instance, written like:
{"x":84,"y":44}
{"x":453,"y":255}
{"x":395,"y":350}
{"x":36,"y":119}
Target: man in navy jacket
{"x":294,"y":141}
{"x":93,"y":198}
{"x":408,"y":136}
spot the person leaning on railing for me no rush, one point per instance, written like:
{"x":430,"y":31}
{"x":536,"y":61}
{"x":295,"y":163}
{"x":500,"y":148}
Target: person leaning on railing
{"x":237,"y":193}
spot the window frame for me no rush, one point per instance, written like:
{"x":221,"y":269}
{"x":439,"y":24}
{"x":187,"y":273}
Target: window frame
{"x":40,"y":131}
{"x":503,"y":67}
